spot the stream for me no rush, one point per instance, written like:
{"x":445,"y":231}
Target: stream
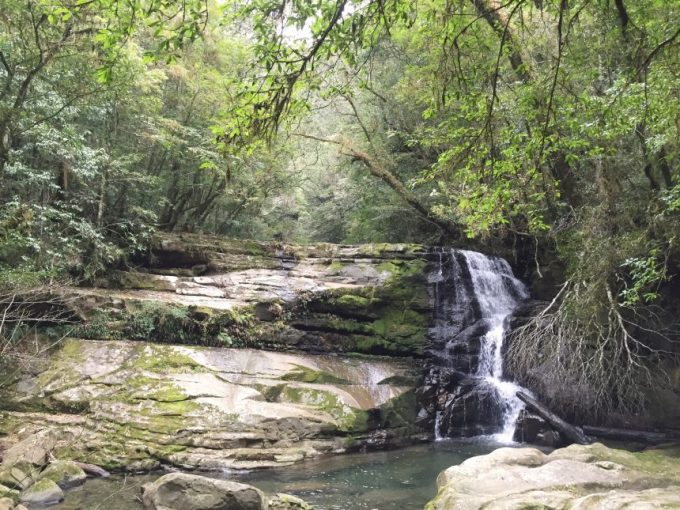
{"x":403,"y":479}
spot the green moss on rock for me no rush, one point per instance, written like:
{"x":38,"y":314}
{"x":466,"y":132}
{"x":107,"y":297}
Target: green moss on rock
{"x":157,"y":359}
{"x":43,"y":493}
{"x":6,"y":492}
{"x":390,"y":319}
{"x":65,"y":474}
{"x":400,"y":411}
{"x":348,"y":419}
{"x":305,"y":374}
{"x":353,"y":301}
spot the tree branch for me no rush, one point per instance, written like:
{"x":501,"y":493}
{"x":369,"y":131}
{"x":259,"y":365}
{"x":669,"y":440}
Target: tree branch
{"x":378,"y":170}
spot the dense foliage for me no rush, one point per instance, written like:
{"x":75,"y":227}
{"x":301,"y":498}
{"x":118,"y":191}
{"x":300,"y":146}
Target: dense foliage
{"x":548,"y":126}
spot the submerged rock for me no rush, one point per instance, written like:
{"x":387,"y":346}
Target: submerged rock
{"x":288,"y":502}
{"x":583,"y":477}
{"x":181,"y":491}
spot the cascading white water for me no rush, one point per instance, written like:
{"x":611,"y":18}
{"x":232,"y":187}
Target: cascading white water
{"x":498,"y":293}
{"x":474,"y":296}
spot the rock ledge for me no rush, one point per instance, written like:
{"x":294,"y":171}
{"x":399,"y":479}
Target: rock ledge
{"x":584,"y":477}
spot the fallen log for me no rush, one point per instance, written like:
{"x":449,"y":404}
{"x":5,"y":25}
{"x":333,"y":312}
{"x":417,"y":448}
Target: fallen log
{"x":570,"y":432}
{"x":92,"y":470}
{"x":626,"y":434}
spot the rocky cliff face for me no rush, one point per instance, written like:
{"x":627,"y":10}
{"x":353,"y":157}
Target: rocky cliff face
{"x":369,"y":299}
{"x":330,"y":341}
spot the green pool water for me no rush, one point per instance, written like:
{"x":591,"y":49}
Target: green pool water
{"x":401,"y":479}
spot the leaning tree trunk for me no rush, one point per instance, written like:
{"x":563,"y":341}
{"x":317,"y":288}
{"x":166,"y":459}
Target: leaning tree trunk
{"x":570,"y":432}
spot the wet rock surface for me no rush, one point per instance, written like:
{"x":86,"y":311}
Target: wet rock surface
{"x":466,"y":392}
{"x":584,"y":477}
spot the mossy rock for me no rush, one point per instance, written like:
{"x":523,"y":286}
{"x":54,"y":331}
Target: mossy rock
{"x":389,"y":250}
{"x":65,"y":474}
{"x":353,"y":301}
{"x":44,"y":492}
{"x":578,"y":476}
{"x":288,"y":502}
{"x":6,"y":492}
{"x":380,"y":346}
{"x":407,"y":283}
{"x":390,"y":320}
{"x":410,"y":381}
{"x":348,"y":419}
{"x":139,"y":280}
{"x":400,"y":412}
{"x":161,"y":360}
{"x":658,"y":461}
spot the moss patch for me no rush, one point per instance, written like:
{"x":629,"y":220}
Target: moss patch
{"x":172,"y":323}
{"x":305,"y":374}
{"x":6,"y":492}
{"x":352,"y":301}
{"x":400,"y":411}
{"x":158,"y":359}
{"x":348,"y":419}
{"x":391,"y":319}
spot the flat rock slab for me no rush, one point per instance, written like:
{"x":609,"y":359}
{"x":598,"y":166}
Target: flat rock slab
{"x":228,"y":290}
{"x":138,"y":404}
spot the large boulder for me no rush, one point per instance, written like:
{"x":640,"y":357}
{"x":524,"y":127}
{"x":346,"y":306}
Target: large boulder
{"x":64,"y":473}
{"x":42,"y":493}
{"x":181,"y":491}
{"x":33,"y":450}
{"x":583,"y":477}
{"x":531,"y":428}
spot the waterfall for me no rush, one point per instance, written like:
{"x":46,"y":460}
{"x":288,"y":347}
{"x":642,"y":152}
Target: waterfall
{"x":474,"y":296}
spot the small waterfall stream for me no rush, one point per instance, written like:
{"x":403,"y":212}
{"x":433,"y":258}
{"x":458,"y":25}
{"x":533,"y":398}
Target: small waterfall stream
{"x":474,"y":296}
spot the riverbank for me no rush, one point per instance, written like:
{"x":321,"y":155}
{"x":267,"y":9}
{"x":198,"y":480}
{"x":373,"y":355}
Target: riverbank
{"x":401,"y":479}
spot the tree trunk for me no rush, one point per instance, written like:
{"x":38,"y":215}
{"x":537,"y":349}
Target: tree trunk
{"x":626,"y":434}
{"x":570,"y":432}
{"x":102,"y":199}
{"x":492,"y":12}
{"x":92,"y":470}
{"x":378,"y":170}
